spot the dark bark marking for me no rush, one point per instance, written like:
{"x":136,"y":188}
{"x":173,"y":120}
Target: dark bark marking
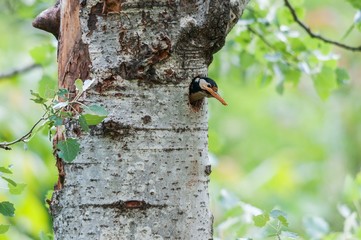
{"x":146,"y":119}
{"x":114,"y":129}
{"x":146,"y":55}
{"x":134,"y":204}
{"x":148,"y":4}
{"x":107,"y":84}
{"x":208,"y":170}
{"x":126,"y":205}
{"x":111,"y":6}
{"x":94,"y":12}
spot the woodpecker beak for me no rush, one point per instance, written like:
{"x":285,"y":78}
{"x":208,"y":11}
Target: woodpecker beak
{"x":213,"y":92}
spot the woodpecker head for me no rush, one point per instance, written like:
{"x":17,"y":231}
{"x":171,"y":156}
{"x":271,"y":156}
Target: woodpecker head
{"x":204,"y":87}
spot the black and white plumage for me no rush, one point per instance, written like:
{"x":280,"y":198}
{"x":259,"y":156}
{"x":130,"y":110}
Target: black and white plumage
{"x":202,"y":87}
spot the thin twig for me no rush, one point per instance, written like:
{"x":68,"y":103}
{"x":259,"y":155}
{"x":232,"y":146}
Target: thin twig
{"x":18,"y":71}
{"x":6,"y":145}
{"x":263,"y":39}
{"x":317,"y":36}
{"x":268,"y":44}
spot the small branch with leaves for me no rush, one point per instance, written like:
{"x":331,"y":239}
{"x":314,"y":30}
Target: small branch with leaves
{"x":57,"y":111}
{"x":314,"y":35}
{"x":27,"y":136}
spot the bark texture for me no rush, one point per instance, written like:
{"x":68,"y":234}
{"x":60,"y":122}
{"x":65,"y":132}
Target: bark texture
{"x":143,"y":172}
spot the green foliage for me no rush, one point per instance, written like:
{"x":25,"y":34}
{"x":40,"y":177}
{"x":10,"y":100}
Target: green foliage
{"x":42,"y":54}
{"x":5,"y":170}
{"x":266,"y":40}
{"x":4,"y":228}
{"x":94,"y":114}
{"x":261,"y":220}
{"x":276,"y":221}
{"x":355,"y":3}
{"x":18,"y":189}
{"x":68,"y":149}
{"x":289,"y":152}
{"x":60,"y":108}
{"x":7,"y":209}
{"x":325,"y":82}
{"x":83,"y":123}
{"x":11,"y":182}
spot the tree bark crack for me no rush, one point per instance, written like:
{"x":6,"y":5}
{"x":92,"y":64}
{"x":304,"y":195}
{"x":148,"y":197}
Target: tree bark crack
{"x":126,"y":205}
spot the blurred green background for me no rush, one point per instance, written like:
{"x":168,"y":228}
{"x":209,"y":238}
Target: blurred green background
{"x":290,"y":151}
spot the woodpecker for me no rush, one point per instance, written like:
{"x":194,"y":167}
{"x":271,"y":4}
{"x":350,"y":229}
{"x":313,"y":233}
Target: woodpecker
{"x":204,"y":87}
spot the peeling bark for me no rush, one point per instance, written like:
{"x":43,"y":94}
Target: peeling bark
{"x":143,"y":173}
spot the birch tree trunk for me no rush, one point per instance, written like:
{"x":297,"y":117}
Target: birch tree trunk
{"x":142,"y":173}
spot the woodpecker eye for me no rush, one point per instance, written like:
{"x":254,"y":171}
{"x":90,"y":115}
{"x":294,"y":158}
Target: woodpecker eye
{"x":209,"y":85}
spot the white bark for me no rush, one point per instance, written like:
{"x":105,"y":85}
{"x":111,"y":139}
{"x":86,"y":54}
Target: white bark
{"x":143,"y":172}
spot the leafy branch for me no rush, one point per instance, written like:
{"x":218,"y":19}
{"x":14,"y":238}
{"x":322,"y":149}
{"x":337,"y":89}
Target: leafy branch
{"x":277,"y":223}
{"x":56,"y":112}
{"x":314,"y":35}
{"x":24,"y":138}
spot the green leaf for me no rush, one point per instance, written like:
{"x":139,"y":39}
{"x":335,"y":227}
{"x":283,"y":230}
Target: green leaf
{"x":42,"y":54}
{"x":68,"y":149}
{"x":79,"y":85}
{"x":325,"y":82}
{"x":47,"y":87}
{"x":94,"y":114}
{"x":9,"y":181}
{"x":57,"y":121}
{"x":292,"y":75}
{"x":38,"y":99}
{"x":284,"y":16}
{"x":83,"y":123}
{"x":7,"y":209}
{"x":261,"y":220}
{"x":280,"y":215}
{"x":355,"y":3}
{"x":38,"y":129}
{"x":342,"y":76}
{"x":62,"y":93}
{"x":4,"y":228}
{"x":5,"y":170}
{"x":18,"y":189}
